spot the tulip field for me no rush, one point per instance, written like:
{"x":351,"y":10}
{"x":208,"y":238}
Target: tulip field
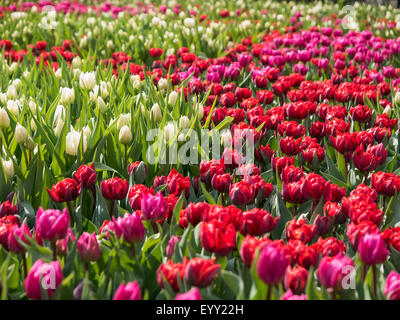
{"x":199,"y":150}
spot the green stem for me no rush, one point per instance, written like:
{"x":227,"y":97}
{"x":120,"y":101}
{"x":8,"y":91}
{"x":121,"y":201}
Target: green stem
{"x":71,"y":214}
{"x":269,"y":292}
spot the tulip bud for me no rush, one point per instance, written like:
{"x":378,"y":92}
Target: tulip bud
{"x":21,"y":135}
{"x":184,"y":122}
{"x":22,"y":233}
{"x":125,"y":135}
{"x":13,"y":107}
{"x":73,"y":139}
{"x":101,"y":105}
{"x":323,"y":224}
{"x":67,"y":95}
{"x":173,"y":96}
{"x":4,"y":119}
{"x":139,"y":169}
{"x":88,"y":247}
{"x":8,"y":168}
{"x":169,"y":131}
{"x":155,"y":113}
{"x":58,"y":73}
{"x":170,"y":249}
{"x":200,"y":111}
{"x":163,"y":84}
{"x":12,"y":92}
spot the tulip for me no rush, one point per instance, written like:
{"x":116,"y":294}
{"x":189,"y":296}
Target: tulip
{"x":88,"y":247}
{"x":73,"y":140}
{"x":272,"y":263}
{"x":372,"y":249}
{"x":125,"y":135}
{"x":114,"y":189}
{"x":170,"y":249}
{"x":192,"y":294}
{"x":21,"y":135}
{"x":136,"y":193}
{"x":86,"y":176}
{"x":4,"y":119}
{"x":170,"y":272}
{"x":196,"y":211}
{"x":130,"y":226}
{"x":153,"y":207}
{"x":173,"y":96}
{"x":87,"y":80}
{"x":296,"y":279}
{"x":218,"y":237}
{"x":64,"y":191}
{"x":129,"y":291}
{"x":67,"y":95}
{"x":8,"y":209}
{"x":46,"y":276}
{"x":249,"y":247}
{"x":19,"y":233}
{"x":51,"y":224}
{"x":332,"y":270}
{"x":241,"y":193}
{"x":392,"y":289}
{"x":200,"y":272}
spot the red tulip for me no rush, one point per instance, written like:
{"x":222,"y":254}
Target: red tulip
{"x":218,"y":237}
{"x":200,"y":272}
{"x":296,"y":279}
{"x":65,"y":190}
{"x":86,"y":176}
{"x":114,"y":189}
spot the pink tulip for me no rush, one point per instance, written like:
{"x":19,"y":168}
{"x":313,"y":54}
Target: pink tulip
{"x":192,"y":294}
{"x":130,"y":226}
{"x":88,"y":247}
{"x":272,"y":263}
{"x":372,"y":249}
{"x":52,"y":224}
{"x":170,"y":249}
{"x":153,"y":207}
{"x":332,"y":270}
{"x":46,"y":276}
{"x":129,"y":291}
{"x":392,"y":289}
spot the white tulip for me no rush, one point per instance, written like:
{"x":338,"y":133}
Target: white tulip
{"x":12,"y":92}
{"x":8,"y":168}
{"x":155,"y":113}
{"x":72,"y":142}
{"x":87,"y":80}
{"x":4,"y":119}
{"x":67,"y":95}
{"x":169,"y":131}
{"x":184,"y":122}
{"x":173,"y":96}
{"x":13,"y":107}
{"x":125,"y":135}
{"x":20,"y":135}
